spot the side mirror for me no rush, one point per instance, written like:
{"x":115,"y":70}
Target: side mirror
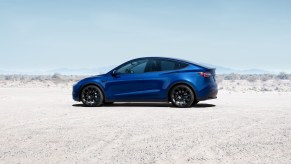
{"x":114,"y":72}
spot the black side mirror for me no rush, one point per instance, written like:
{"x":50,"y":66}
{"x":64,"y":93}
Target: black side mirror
{"x":114,"y":73}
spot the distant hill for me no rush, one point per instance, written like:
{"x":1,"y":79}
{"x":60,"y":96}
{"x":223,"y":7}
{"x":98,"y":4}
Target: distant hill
{"x":63,"y":71}
{"x":84,"y":71}
{"x":225,"y":70}
{"x":101,"y":70}
{"x":254,"y":71}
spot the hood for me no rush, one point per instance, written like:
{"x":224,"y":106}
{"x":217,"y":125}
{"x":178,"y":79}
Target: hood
{"x":93,"y":77}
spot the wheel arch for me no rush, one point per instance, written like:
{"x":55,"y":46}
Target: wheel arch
{"x":181,"y":83}
{"x":95,"y":84}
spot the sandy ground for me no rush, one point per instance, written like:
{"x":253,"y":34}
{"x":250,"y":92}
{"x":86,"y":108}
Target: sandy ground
{"x":42,"y":125}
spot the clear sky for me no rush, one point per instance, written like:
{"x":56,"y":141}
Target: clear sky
{"x":40,"y":35}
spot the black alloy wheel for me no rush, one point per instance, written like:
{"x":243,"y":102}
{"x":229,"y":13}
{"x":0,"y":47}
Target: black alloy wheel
{"x":92,"y":96}
{"x":182,"y":96}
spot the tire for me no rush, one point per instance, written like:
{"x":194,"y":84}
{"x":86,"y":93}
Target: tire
{"x":92,"y":96}
{"x":182,"y":96}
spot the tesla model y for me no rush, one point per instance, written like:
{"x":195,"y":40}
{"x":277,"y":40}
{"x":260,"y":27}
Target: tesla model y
{"x":150,"y":79}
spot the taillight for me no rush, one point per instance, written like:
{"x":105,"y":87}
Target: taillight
{"x":205,"y":74}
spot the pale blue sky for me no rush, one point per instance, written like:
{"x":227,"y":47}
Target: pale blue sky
{"x":41,"y":35}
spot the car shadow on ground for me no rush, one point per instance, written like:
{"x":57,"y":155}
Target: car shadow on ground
{"x":199,"y":105}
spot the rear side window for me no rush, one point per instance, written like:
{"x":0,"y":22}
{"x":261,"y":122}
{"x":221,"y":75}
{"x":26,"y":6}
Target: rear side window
{"x":167,"y":65}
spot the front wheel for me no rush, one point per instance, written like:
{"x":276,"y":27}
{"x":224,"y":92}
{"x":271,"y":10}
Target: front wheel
{"x":182,"y":96}
{"x":92,"y":96}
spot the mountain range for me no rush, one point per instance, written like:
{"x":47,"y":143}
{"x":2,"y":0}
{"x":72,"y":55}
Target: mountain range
{"x":95,"y":71}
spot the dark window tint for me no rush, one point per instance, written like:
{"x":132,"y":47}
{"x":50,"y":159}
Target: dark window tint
{"x":167,"y":65}
{"x":133,"y":67}
{"x":153,"y":66}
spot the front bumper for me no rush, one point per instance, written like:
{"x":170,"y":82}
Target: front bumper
{"x":75,"y":93}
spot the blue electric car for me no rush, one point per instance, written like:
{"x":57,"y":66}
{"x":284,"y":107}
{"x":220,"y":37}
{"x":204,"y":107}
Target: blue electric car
{"x":149,"y":79}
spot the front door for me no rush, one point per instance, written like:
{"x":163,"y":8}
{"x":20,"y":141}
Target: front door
{"x":132,"y":82}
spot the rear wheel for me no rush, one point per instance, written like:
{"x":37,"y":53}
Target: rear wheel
{"x":182,"y":96}
{"x":92,"y":96}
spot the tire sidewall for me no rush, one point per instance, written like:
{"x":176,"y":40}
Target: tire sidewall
{"x":97,"y":103}
{"x":189,"y":104}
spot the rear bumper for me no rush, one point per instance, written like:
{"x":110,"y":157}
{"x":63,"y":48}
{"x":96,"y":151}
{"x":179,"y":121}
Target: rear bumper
{"x":209,"y":92}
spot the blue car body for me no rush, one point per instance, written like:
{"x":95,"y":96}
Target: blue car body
{"x":152,"y":86}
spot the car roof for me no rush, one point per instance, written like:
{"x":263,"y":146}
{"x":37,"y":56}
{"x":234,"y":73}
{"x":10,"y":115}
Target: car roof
{"x":176,"y":59}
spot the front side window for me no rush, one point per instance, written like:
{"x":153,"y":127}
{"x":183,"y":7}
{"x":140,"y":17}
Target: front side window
{"x":133,"y":67}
